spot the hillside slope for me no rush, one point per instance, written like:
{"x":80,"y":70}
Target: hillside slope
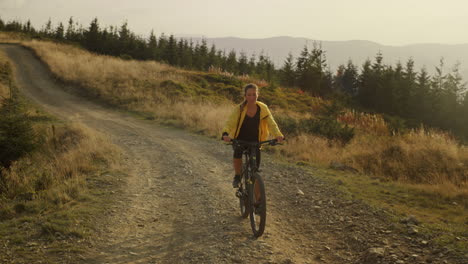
{"x":177,"y":206}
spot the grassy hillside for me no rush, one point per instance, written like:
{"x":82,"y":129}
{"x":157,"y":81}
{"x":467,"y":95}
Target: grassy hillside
{"x":201,"y":101}
{"x":47,"y":193}
{"x":420,"y":172}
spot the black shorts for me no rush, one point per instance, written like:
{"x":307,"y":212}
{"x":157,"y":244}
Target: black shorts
{"x":238,"y":153}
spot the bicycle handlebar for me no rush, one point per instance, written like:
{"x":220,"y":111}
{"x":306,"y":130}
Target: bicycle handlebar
{"x":271,"y":142}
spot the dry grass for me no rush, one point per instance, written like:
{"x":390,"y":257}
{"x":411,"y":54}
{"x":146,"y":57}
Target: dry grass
{"x":56,"y":174}
{"x":429,"y":159}
{"x":245,"y":77}
{"x":201,"y":117}
{"x":4,"y":82}
{"x":369,"y":123}
{"x":119,"y":82}
{"x":422,"y":157}
{"x":4,"y":91}
{"x":10,"y":37}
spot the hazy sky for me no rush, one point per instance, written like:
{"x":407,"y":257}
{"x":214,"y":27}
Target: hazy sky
{"x":396,"y":22}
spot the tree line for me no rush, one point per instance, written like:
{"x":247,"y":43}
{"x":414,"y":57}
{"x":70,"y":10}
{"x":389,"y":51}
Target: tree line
{"x":398,"y":90}
{"x":122,"y":42}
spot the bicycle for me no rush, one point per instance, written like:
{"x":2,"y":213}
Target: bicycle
{"x":251,"y":192}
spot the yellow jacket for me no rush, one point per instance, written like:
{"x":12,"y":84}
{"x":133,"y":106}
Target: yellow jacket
{"x":267,"y":123}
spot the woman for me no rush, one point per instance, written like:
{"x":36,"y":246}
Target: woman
{"x":250,"y":121}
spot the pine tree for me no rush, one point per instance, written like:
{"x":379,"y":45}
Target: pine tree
{"x":463,"y":121}
{"x":409,"y":82}
{"x":124,"y":41}
{"x":243,"y":63}
{"x":70,"y":33}
{"x":203,"y":55}
{"x":231,"y":62}
{"x":47,"y":31}
{"x":269,"y":70}
{"x":260,"y":67}
{"x":420,"y":104}
{"x":213,"y":60}
{"x":437,"y":86}
{"x":124,"y":32}
{"x":171,"y":50}
{"x":252,"y":63}
{"x":162,"y":48}
{"x":350,"y":79}
{"x":397,"y":94}
{"x":187,"y":55}
{"x":338,"y":82}
{"x":29,"y":28}
{"x":451,"y":97}
{"x":302,"y":67}
{"x":345,"y":80}
{"x":59,"y":32}
{"x":92,"y":40}
{"x":379,"y":94}
{"x":180,"y":50}
{"x":366,"y":92}
{"x":319,"y":77}
{"x":287,"y":72}
{"x":152,"y":46}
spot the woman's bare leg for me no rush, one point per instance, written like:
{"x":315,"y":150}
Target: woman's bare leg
{"x":237,"y":166}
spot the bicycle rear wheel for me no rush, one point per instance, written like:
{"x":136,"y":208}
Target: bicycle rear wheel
{"x":257,"y":202}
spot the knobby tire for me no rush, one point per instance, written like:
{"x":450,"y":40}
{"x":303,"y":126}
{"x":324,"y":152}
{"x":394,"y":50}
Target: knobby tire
{"x":257,"y":208}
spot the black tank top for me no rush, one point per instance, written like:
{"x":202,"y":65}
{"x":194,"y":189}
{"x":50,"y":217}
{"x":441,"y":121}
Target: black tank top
{"x":250,"y":126}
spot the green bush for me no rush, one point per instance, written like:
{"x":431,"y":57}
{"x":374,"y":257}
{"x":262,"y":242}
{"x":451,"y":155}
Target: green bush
{"x":329,"y":128}
{"x":289,"y":126}
{"x":396,"y":124}
{"x":230,"y":92}
{"x":227,"y":80}
{"x":126,"y":57}
{"x":17,"y":137}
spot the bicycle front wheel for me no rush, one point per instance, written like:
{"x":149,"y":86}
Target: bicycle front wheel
{"x":257,"y":200}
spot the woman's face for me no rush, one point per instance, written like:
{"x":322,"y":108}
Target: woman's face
{"x":251,"y":96}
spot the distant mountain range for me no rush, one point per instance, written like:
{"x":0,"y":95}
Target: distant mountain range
{"x":339,"y":52}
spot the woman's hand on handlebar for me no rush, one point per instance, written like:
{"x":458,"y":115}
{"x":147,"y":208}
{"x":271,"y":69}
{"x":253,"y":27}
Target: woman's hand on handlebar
{"x":227,"y":139}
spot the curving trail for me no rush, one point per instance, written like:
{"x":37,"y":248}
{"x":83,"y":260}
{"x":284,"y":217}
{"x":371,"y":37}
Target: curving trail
{"x":178,"y":206}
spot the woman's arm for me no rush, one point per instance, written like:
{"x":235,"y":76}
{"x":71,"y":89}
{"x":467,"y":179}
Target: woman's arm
{"x":231,"y":123}
{"x":273,"y":127}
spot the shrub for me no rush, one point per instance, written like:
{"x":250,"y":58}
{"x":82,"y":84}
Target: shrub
{"x":326,"y":124}
{"x":331,"y":129}
{"x":396,"y":124}
{"x":288,"y":125}
{"x":126,"y":57}
{"x":227,"y":80}
{"x":17,"y":137}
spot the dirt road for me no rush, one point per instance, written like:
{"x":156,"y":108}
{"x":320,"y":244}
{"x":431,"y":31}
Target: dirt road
{"x":178,"y":205}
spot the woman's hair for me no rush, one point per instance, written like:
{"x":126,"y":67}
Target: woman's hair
{"x":250,"y":86}
{"x":246,"y":88}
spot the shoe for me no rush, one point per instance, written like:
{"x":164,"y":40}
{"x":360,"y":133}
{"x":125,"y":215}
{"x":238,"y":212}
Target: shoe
{"x":236,"y":181}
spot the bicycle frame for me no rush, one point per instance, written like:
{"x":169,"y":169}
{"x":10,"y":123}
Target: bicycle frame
{"x":249,"y":154}
{"x":252,"y":200}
